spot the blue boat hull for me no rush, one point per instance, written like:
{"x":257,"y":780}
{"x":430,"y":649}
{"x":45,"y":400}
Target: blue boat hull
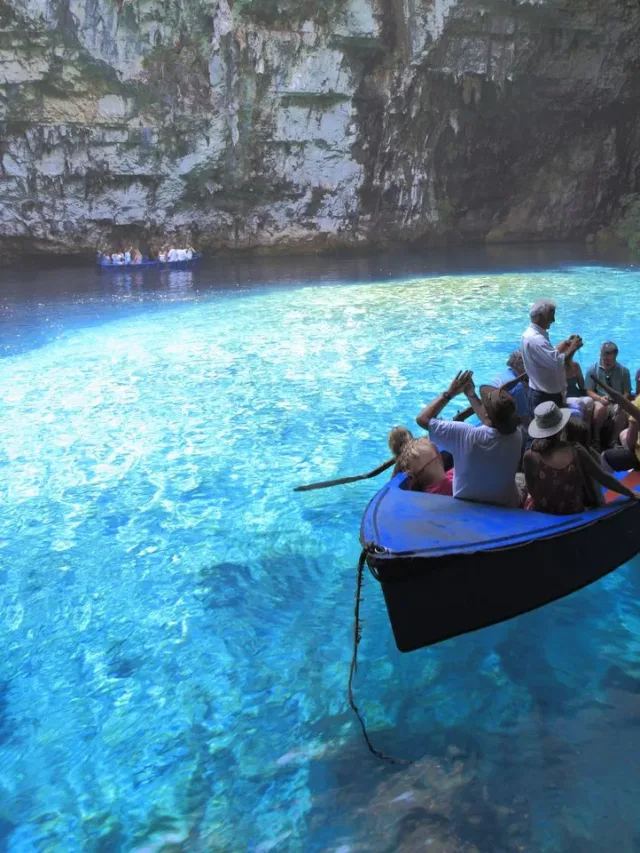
{"x":169,"y":265}
{"x":447,"y":566}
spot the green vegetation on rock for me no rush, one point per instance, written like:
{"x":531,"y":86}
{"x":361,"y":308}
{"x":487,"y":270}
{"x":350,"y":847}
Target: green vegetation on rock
{"x":628,"y":226}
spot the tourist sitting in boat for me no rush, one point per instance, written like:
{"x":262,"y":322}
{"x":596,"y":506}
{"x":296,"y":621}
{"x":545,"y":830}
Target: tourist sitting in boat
{"x":172,"y":255}
{"x":127,"y":256}
{"x":519,"y":391}
{"x":190,"y":252}
{"x":421,"y":461}
{"x":578,"y":400}
{"x":557,"y":472}
{"x":626,"y":457}
{"x":137,"y":257}
{"x":162,"y":255}
{"x":577,"y":432}
{"x":181,"y":255}
{"x":486,"y":457}
{"x":616,"y":375}
{"x":543,"y":362}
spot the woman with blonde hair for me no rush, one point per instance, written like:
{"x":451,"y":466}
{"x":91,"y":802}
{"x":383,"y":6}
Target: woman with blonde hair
{"x":421,"y":461}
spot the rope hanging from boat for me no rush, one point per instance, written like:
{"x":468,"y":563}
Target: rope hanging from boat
{"x":357,"y":636}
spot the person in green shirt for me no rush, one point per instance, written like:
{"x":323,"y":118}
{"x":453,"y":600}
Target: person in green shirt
{"x":616,"y":376}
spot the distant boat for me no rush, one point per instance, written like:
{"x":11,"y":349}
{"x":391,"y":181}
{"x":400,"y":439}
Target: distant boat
{"x":172,"y":265}
{"x":448,"y":566}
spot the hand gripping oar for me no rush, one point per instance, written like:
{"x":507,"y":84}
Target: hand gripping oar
{"x":326,"y":483}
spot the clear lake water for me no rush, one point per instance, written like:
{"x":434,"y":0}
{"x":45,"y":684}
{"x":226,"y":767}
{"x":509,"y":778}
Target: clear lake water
{"x":176,"y":623}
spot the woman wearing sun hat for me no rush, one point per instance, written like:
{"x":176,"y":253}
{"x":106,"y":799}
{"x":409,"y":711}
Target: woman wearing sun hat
{"x":556,"y":471}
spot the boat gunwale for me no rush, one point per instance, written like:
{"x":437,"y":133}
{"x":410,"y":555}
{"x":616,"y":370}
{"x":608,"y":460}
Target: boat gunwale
{"x":382,"y":554}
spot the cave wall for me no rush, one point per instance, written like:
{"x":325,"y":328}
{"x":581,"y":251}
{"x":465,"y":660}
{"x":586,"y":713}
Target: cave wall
{"x":299,"y":125}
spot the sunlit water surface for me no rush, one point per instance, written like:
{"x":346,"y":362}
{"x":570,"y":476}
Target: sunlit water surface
{"x":176,"y":623}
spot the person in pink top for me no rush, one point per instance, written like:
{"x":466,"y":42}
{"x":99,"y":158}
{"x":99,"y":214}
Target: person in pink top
{"x":421,"y":461}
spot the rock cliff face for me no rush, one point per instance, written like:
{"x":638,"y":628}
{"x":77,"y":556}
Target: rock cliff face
{"x":287,"y":124}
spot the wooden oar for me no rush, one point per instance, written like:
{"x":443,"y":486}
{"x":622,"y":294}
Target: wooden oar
{"x":326,"y":483}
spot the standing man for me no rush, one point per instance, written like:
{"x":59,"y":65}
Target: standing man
{"x":543,"y":362}
{"x":617,"y":377}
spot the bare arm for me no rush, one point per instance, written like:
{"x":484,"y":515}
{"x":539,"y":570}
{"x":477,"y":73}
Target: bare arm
{"x":478,"y":408}
{"x":570,"y":345}
{"x":627,"y":405}
{"x":476,"y":403}
{"x":529,"y":466}
{"x":433,"y":409}
{"x":590,"y":468}
{"x":632,"y":434}
{"x":597,"y":397}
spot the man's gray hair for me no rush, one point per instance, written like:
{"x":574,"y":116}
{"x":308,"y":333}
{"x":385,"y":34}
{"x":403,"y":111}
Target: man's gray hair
{"x":541,"y":310}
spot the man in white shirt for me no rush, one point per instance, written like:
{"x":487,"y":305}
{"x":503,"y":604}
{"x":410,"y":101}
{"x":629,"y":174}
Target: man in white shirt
{"x":543,"y":362}
{"x":485,"y":457}
{"x":173,"y":255}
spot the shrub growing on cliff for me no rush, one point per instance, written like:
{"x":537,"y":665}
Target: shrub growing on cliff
{"x":628,"y":227}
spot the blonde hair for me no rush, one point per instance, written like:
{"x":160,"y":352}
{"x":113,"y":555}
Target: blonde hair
{"x":399,"y":438}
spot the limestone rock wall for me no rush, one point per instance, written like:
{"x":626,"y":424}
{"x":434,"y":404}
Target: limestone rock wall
{"x":291,"y":124}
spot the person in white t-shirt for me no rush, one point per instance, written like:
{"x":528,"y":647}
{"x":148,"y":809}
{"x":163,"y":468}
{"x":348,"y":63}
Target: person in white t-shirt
{"x":181,"y":255}
{"x":485,"y":457}
{"x":173,"y":255}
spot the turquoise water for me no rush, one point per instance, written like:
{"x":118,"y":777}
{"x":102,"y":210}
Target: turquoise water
{"x":176,"y":622}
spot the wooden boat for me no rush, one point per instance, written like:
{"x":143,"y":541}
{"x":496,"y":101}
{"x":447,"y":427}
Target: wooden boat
{"x":171,"y":265}
{"x":448,"y":566}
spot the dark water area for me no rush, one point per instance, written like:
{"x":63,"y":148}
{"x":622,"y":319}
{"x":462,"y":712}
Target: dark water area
{"x":36,"y":295}
{"x":176,"y":623}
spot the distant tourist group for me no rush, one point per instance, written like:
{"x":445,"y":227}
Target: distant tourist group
{"x":548,"y":438}
{"x":165,"y":255}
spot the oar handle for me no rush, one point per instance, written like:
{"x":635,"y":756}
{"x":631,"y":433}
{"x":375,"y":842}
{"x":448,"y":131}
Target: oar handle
{"x":341,"y":482}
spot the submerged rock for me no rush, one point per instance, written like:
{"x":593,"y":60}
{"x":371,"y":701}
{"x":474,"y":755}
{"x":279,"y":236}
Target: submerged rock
{"x":279,"y":125}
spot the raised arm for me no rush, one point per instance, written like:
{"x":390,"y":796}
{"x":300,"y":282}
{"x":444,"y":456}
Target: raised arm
{"x":476,"y":403}
{"x":591,"y":469}
{"x":583,"y":390}
{"x":433,"y":409}
{"x":570,"y":345}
